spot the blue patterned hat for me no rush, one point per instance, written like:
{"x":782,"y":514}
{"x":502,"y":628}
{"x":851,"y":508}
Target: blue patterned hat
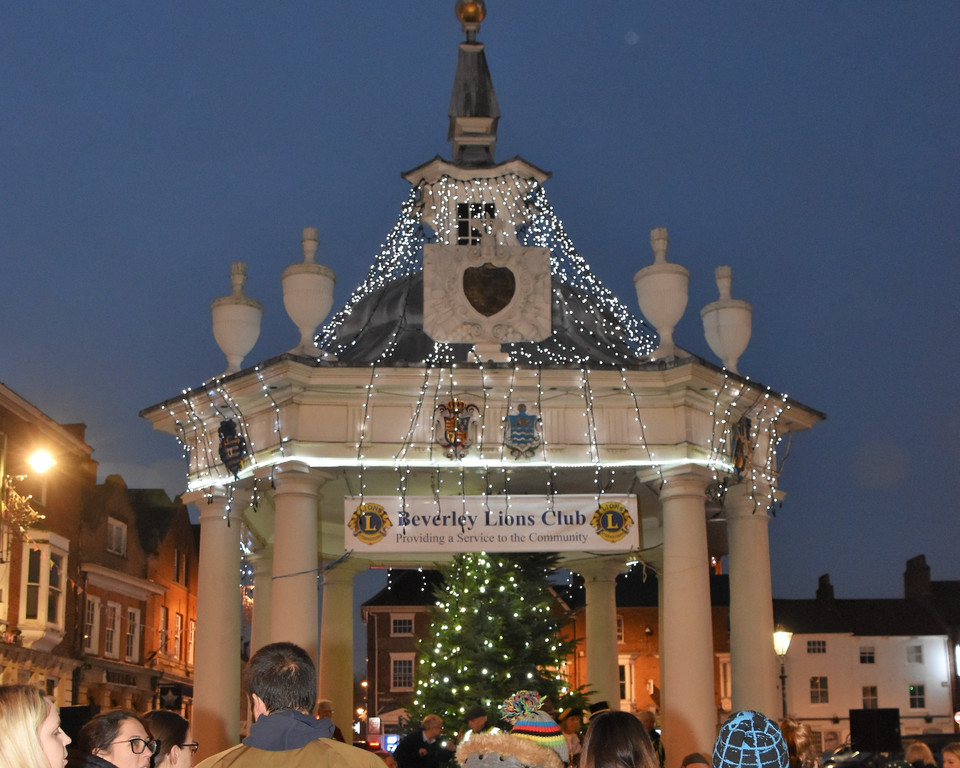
{"x":750,"y":740}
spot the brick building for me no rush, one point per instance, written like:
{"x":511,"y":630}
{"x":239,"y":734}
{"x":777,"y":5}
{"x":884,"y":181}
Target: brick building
{"x":97,"y":582}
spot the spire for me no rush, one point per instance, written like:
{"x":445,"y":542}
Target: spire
{"x":474,"y":111}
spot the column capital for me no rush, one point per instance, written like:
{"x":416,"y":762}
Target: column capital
{"x":686,"y":480}
{"x":746,"y":499}
{"x":260,"y":558}
{"x":601,"y":568}
{"x":297,"y":477}
{"x":217,"y":507}
{"x":343,"y":571}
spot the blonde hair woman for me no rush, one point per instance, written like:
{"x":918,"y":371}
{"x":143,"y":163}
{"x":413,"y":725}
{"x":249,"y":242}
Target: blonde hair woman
{"x":30,"y":733}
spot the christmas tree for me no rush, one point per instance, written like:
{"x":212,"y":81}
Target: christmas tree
{"x":494,"y":630}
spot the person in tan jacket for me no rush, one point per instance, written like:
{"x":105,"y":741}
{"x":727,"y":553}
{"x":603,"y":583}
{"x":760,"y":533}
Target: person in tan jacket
{"x":283,"y":686}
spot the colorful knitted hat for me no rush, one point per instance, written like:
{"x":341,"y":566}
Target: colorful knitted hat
{"x":750,"y":740}
{"x":523,"y":711}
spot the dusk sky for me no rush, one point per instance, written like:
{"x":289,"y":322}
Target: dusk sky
{"x":813,"y":147}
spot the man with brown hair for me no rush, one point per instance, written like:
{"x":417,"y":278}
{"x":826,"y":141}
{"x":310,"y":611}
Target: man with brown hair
{"x":282,"y":682}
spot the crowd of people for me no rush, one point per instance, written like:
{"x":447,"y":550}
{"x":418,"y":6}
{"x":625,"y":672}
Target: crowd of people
{"x":291,"y":729}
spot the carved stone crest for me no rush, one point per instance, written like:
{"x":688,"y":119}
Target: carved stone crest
{"x":486,"y":294}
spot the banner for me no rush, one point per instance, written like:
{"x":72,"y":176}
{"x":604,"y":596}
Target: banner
{"x":609,"y":523}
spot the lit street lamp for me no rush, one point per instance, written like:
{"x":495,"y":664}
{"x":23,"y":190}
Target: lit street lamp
{"x":12,"y":504}
{"x":781,"y":644}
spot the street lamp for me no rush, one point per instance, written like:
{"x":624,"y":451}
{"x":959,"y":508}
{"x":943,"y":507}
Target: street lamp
{"x":781,"y":644}
{"x":12,"y":504}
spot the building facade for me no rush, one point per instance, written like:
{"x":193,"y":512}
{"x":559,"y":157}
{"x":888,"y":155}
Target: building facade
{"x":87,"y":573}
{"x":481,"y":360}
{"x":852,"y":654}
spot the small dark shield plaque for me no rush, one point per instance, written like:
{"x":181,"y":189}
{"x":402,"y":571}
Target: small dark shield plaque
{"x":488,"y":288}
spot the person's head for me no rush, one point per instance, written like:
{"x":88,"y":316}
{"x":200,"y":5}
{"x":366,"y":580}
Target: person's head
{"x":281,"y":676}
{"x":387,"y":757}
{"x":917,"y":752}
{"x":119,"y":737}
{"x":177,"y":746}
{"x":325,"y":708}
{"x":801,"y":748}
{"x":571,"y":720}
{"x":30,"y":733}
{"x":432,"y":726}
{"x":750,"y":739}
{"x":476,"y":718}
{"x":617,"y":740}
{"x":951,"y":755}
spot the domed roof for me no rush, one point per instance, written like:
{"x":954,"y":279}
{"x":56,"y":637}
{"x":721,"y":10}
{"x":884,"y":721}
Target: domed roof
{"x":386,"y":327}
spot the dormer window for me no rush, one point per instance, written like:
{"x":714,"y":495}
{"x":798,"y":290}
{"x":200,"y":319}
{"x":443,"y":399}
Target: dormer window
{"x":470,"y":221}
{"x":116,"y":537}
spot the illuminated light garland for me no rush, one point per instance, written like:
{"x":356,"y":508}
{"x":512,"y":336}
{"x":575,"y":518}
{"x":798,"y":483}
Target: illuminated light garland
{"x":603,"y":334}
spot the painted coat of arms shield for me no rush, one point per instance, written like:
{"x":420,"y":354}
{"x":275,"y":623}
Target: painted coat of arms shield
{"x":523,"y":432}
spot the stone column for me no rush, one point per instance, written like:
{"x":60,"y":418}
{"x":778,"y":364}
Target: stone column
{"x":336,"y":642}
{"x":262,"y":563}
{"x":600,"y":583}
{"x":689,"y":718}
{"x":216,"y":701}
{"x":752,"y":660}
{"x":295,"y":559}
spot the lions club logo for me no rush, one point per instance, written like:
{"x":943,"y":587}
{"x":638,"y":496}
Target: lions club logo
{"x":611,"y":521}
{"x":369,"y":523}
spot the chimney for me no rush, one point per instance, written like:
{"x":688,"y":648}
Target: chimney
{"x":916,"y":579}
{"x":825,"y":590}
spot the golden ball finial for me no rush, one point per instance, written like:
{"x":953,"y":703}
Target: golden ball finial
{"x":471,"y":11}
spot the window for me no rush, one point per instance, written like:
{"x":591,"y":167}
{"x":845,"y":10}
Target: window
{"x":401,"y":625}
{"x":915,"y":654}
{"x":43,"y":582}
{"x":91,"y":625}
{"x":131,"y":647}
{"x":819,"y":693}
{"x":401,"y":671}
{"x":620,"y":630}
{"x":180,"y":566}
{"x":178,"y":636}
{"x":55,"y":590}
{"x":870,"y":697}
{"x":867,"y":654}
{"x":470,"y":218}
{"x":191,"y":639}
{"x":816,"y":646}
{"x":918,"y":697}
{"x":116,"y":536}
{"x":625,"y":680}
{"x":111,"y":630}
{"x":164,"y":627}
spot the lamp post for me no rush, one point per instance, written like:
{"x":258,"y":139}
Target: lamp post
{"x":781,"y":644}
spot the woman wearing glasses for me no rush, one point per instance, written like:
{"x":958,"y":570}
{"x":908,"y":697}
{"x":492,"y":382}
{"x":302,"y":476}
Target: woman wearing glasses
{"x":177,"y":746}
{"x":30,"y":733}
{"x":113,"y":740}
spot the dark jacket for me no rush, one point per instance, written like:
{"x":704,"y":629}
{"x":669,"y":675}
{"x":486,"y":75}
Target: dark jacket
{"x":78,"y":759}
{"x":285,"y":730}
{"x":407,"y":753}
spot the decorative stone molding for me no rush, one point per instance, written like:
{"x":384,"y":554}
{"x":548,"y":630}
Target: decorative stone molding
{"x":486,"y":295}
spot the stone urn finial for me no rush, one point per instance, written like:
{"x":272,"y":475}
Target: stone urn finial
{"x":727,"y":322}
{"x":308,"y":293}
{"x":236,"y":319}
{"x":662,"y":292}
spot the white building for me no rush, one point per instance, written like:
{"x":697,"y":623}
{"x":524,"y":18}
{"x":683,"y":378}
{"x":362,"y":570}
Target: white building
{"x":478,"y":312}
{"x":851,"y":654}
